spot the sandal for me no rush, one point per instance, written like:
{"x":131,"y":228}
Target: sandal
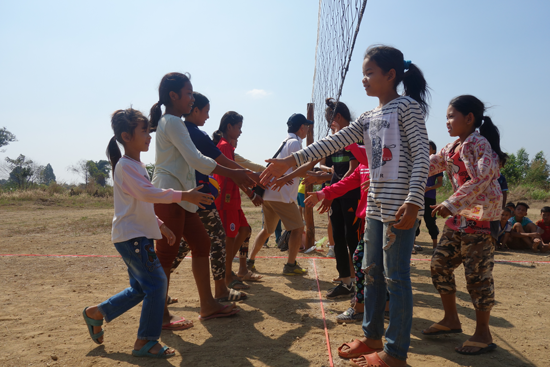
{"x":356,"y":349}
{"x":180,"y":324}
{"x":237,"y":285}
{"x":171,"y":300}
{"x":144,"y":351}
{"x":234,"y":296}
{"x":373,"y":360}
{"x":441,"y":330}
{"x":251,"y":277}
{"x":483,"y":348}
{"x":91,"y":323}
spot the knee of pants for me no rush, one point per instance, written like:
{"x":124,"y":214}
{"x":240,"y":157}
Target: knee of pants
{"x":374,"y":274}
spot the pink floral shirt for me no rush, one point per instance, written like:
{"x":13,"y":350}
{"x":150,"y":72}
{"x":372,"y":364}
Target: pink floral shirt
{"x":480,"y":197}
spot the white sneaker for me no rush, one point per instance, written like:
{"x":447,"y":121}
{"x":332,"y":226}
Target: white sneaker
{"x":330,"y":252}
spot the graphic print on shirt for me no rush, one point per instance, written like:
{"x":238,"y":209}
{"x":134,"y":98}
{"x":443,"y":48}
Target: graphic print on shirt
{"x":383,"y":146}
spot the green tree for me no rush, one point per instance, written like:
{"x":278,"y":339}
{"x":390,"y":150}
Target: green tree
{"x":21,"y":171}
{"x":538,"y":172}
{"x":47,"y":176}
{"x":91,"y":171}
{"x":150,"y":170}
{"x":6,"y":137}
{"x":516,"y":167}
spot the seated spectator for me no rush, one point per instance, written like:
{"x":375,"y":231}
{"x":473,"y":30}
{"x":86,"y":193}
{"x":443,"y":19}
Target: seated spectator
{"x":511,"y":206}
{"x":524,"y":231}
{"x":504,"y":228}
{"x":544,"y":225}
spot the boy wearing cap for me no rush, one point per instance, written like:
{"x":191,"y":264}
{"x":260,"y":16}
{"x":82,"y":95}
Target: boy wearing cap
{"x":282,"y":204}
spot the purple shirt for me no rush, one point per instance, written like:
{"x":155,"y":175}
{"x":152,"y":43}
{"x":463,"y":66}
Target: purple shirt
{"x":431,"y":181}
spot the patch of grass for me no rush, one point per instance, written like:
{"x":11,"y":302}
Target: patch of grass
{"x":40,"y":197}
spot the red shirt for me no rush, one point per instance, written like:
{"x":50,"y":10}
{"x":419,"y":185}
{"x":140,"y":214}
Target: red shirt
{"x":546,"y":235}
{"x":229,"y":197}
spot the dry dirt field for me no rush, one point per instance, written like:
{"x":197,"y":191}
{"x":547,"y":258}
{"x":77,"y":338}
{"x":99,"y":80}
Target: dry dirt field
{"x":281,"y":324}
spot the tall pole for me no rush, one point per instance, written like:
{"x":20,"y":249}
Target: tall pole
{"x":310,"y":224}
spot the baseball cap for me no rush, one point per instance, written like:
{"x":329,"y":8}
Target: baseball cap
{"x":297,"y":120}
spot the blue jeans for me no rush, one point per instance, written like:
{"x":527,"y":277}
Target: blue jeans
{"x":147,"y":283}
{"x":387,"y":268}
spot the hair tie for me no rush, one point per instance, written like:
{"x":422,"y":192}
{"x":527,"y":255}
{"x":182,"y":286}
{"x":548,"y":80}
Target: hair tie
{"x":406,"y":64}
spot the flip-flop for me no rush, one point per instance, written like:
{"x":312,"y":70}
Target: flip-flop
{"x":441,"y":330}
{"x":91,"y":323}
{"x":171,"y":300}
{"x":373,"y":360}
{"x":239,"y":283}
{"x":144,"y":351}
{"x":234,"y":296}
{"x":178,"y":325}
{"x":356,"y":349}
{"x":251,"y":277}
{"x":220,"y":314}
{"x":484,"y":348}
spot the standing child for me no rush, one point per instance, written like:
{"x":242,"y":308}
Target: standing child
{"x":396,"y":142}
{"x":135,"y":226}
{"x":228,"y":202}
{"x":472,"y":163}
{"x":176,"y":161}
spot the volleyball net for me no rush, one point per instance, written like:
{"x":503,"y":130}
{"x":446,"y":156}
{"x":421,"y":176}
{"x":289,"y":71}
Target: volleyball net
{"x":337,"y":28}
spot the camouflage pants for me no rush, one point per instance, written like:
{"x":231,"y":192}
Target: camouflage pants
{"x":476,"y":252}
{"x":214,"y":227}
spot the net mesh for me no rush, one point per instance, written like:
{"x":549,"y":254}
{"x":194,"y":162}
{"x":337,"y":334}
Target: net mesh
{"x":337,"y":28}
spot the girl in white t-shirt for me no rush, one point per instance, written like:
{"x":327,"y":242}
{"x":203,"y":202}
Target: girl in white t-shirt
{"x":135,"y":226}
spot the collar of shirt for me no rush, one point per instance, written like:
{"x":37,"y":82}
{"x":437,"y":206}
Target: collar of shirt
{"x":294,"y":136}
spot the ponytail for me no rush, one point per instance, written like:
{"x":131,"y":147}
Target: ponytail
{"x":416,"y":87}
{"x":113,"y":152}
{"x":217,"y":136}
{"x":229,"y":118}
{"x":334,"y":108}
{"x":123,"y":121}
{"x":491,"y":133}
{"x":467,"y":104}
{"x":414,"y":84}
{"x":154,"y":115}
{"x":171,"y":82}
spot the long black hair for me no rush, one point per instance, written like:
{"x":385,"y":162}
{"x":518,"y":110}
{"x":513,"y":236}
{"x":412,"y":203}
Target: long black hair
{"x":229,"y":118}
{"x":123,"y":121}
{"x":200,"y":102}
{"x":334,"y":108}
{"x":467,"y":104}
{"x":171,"y":82}
{"x":414,"y":84}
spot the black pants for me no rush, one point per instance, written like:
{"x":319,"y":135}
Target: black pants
{"x":429,"y":220}
{"x":345,"y":231}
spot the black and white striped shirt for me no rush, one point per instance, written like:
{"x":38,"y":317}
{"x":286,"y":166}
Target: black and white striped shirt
{"x":398,"y":151}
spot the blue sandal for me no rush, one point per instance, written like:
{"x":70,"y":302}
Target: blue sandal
{"x":144,"y":351}
{"x":91,"y":323}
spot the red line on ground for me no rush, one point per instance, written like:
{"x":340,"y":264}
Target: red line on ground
{"x":323,"y":313}
{"x":269,"y":257}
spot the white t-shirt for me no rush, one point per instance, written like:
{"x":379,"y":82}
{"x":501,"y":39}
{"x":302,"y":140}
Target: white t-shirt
{"x":134,"y":197}
{"x":288,"y":193}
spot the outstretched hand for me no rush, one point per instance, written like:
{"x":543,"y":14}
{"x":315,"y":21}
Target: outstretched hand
{"x":243,"y":177}
{"x":196,"y":197}
{"x":325,"y":206}
{"x":441,"y":210}
{"x":277,"y":167}
{"x":312,"y":199}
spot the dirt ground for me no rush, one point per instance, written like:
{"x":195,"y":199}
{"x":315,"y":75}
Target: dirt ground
{"x":281,"y":324}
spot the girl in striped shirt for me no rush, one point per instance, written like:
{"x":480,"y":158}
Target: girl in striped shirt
{"x":397,"y":147}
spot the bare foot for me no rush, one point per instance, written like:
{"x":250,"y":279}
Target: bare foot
{"x":93,"y":313}
{"x":250,"y":276}
{"x":154,"y":349}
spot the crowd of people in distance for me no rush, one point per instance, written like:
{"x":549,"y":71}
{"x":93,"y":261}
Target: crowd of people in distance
{"x":379,"y":173}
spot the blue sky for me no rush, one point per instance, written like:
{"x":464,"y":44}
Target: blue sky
{"x":65,"y":66}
